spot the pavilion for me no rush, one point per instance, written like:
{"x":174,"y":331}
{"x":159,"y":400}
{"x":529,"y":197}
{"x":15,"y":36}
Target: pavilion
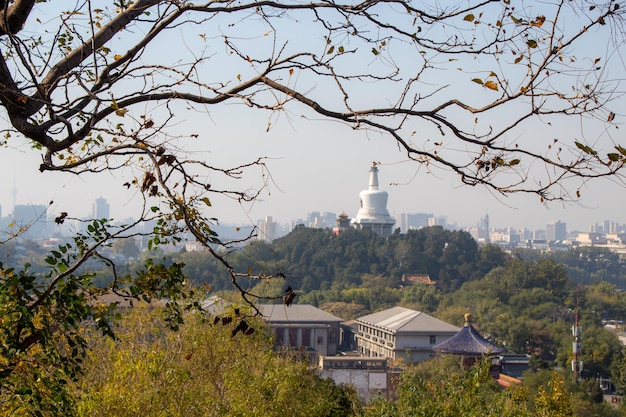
{"x":469,"y":344}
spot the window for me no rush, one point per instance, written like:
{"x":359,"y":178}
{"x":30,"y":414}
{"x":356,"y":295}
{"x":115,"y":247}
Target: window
{"x":279,"y":334}
{"x":433,"y":340}
{"x":306,"y":337}
{"x":332,"y":335}
{"x":293,"y":337}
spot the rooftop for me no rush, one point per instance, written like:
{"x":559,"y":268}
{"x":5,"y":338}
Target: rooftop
{"x":407,"y":320}
{"x":468,"y":342}
{"x":300,"y":313}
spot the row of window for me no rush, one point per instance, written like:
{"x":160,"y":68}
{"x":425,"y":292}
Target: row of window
{"x":380,"y":334}
{"x":376,"y":332}
{"x":288,"y":336}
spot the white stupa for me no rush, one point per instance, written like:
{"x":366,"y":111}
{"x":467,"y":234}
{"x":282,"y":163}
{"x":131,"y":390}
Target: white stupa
{"x":373,"y":213}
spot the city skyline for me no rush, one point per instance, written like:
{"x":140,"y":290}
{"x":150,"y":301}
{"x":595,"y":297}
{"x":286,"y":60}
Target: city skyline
{"x":319,"y":164}
{"x":102,"y":205}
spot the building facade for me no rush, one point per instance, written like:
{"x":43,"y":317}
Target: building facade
{"x":304,"y":328}
{"x":556,"y":231}
{"x":401,"y":333}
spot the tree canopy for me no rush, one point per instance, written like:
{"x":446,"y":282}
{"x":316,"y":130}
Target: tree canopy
{"x":91,"y":90}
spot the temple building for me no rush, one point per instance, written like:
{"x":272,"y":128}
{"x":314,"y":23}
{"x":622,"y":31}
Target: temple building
{"x":373,"y":213}
{"x":469,"y":344}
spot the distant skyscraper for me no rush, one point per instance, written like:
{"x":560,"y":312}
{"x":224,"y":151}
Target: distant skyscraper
{"x":101,"y":209}
{"x":556,"y":230}
{"x":412,"y":221}
{"x":438,"y":221}
{"x":373,"y":213}
{"x":268,"y":229}
{"x":33,"y":219}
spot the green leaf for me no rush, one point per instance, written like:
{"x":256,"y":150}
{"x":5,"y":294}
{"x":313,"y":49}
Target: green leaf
{"x":477,"y":81}
{"x":531,"y":43}
{"x":586,"y":149}
{"x":375,"y":51}
{"x":614,"y":156}
{"x":514,"y":162}
{"x":206,"y":201}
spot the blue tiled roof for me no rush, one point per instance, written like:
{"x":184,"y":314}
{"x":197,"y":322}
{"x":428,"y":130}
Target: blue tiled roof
{"x":468,"y":342}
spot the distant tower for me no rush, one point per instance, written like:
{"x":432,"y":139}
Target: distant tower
{"x":373,"y":213}
{"x":268,"y":229}
{"x":343,"y":223}
{"x":101,"y":209}
{"x":556,"y":231}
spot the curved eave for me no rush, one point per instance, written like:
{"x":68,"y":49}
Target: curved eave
{"x":468,"y":342}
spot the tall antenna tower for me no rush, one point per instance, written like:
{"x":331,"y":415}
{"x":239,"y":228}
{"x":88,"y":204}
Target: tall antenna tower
{"x":577,"y":364}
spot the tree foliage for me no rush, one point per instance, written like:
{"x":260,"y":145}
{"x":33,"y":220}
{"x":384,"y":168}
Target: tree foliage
{"x":90,"y":89}
{"x":441,"y":388}
{"x":200,"y":370}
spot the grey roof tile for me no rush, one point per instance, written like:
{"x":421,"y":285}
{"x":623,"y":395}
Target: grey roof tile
{"x":400,"y":319}
{"x":300,"y":313}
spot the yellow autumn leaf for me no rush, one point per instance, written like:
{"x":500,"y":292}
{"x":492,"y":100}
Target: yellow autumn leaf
{"x":121,"y":112}
{"x":117,"y":56}
{"x":492,"y":85}
{"x":538,"y":22}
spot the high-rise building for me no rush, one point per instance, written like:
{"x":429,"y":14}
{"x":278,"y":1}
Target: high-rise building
{"x":373,"y":213}
{"x":32,"y":219}
{"x":438,"y":221}
{"x":101,"y":209}
{"x":412,"y":221}
{"x":556,"y":231}
{"x":268,"y":229}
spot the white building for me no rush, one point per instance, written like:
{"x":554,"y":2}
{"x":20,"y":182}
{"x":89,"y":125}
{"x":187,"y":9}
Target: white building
{"x":303,"y":327}
{"x":401,"y":333}
{"x":373,"y":213}
{"x":268,"y":229}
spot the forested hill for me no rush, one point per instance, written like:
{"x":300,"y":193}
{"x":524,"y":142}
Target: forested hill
{"x":316,"y":259}
{"x":312,"y":259}
{"x":318,"y":256}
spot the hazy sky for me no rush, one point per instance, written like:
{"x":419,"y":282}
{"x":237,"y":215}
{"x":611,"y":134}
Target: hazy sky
{"x":315,"y":166}
{"x":318,"y":166}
